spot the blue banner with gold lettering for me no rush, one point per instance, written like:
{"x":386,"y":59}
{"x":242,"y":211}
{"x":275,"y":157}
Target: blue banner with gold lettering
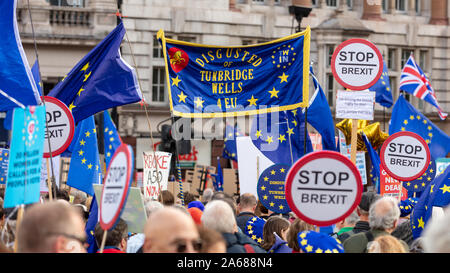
{"x":218,"y":81}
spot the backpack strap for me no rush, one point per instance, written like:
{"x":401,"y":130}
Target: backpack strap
{"x":249,"y":248}
{"x":369,"y":236}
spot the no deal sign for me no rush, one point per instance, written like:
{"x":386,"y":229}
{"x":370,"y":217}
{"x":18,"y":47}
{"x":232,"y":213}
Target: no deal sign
{"x":115,"y":187}
{"x":357,"y":64}
{"x":405,"y":156}
{"x":60,"y":127}
{"x":323,"y":188}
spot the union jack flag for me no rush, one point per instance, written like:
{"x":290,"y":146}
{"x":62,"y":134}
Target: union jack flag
{"x":415,"y":82}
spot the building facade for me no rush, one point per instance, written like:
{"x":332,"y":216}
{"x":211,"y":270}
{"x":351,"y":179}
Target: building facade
{"x":68,"y":29}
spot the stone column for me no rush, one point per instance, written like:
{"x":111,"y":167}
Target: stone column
{"x":391,"y":6}
{"x":302,"y":3}
{"x":372,"y":10}
{"x":412,"y":7}
{"x":439,"y":12}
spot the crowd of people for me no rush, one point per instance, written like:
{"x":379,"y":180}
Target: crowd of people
{"x":217,"y":223}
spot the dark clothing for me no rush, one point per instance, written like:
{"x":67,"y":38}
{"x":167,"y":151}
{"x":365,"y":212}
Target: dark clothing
{"x":236,"y":242}
{"x":284,"y":215}
{"x":358,"y":242}
{"x":243,"y":218}
{"x":360,"y":226}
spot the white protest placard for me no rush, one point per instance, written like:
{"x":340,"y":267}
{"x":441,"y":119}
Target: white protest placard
{"x":357,"y":64}
{"x":60,"y":127}
{"x":323,"y":188}
{"x":156,"y":172}
{"x":44,"y":175}
{"x":360,"y":157}
{"x":355,"y":105}
{"x":115,"y":186}
{"x":405,"y":156}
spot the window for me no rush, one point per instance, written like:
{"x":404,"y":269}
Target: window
{"x":405,"y":56}
{"x":332,"y":3}
{"x":314,"y":3}
{"x":400,"y":5}
{"x":384,"y":5}
{"x":329,"y":52}
{"x":67,"y":3}
{"x":158,"y":85}
{"x":423,"y":60}
{"x":330,"y":89}
{"x":157,"y":49}
{"x":418,"y":6}
{"x":350,"y":4}
{"x":392,"y":56}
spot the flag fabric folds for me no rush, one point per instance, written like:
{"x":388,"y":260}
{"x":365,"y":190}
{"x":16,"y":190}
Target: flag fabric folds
{"x":90,"y":226}
{"x":436,"y":194}
{"x":382,"y":88}
{"x":17,"y":86}
{"x":320,"y":117}
{"x":101,"y":80}
{"x":230,"y":149}
{"x":407,"y":118}
{"x":218,"y":81}
{"x":111,"y":138}
{"x":84,"y":170}
{"x":375,"y":160}
{"x":415,"y":82}
{"x":218,"y":178}
{"x":280,"y":136}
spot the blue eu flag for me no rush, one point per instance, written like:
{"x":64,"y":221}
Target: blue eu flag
{"x":280,"y":136}
{"x":437,"y":194}
{"x":375,"y":160}
{"x":218,"y":178}
{"x":17,"y":86}
{"x":230,"y":148}
{"x":407,"y":118}
{"x":219,"y":81}
{"x":319,"y":116}
{"x":111,"y":137}
{"x":382,"y":88}
{"x":101,"y":80}
{"x":90,"y":226}
{"x":84,"y":170}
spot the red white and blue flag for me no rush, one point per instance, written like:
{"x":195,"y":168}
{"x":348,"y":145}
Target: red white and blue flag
{"x":415,"y":82}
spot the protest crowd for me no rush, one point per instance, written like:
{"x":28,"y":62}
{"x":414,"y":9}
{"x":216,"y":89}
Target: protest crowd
{"x":219,"y":224}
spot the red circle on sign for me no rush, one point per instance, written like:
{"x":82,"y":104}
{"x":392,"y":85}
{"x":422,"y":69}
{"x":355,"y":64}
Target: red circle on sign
{"x":314,"y":156}
{"x":356,"y":41}
{"x":400,"y":134}
{"x":121,"y":149}
{"x":66,"y":110}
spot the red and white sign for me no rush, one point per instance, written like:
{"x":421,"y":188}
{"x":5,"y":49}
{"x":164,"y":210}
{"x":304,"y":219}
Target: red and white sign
{"x":357,"y":64}
{"x":392,"y":187}
{"x":156,"y":172}
{"x":60,"y":127}
{"x":323,"y":188}
{"x":115,"y":186}
{"x":405,"y":156}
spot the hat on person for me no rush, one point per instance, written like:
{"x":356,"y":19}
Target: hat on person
{"x":316,"y":242}
{"x":196,"y":215}
{"x":406,"y":206}
{"x":367,"y":199}
{"x":196,"y":204}
{"x":254,"y":229}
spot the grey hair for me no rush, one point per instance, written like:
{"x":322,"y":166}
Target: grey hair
{"x":384,"y":213}
{"x":152,"y":206}
{"x":219,"y":216}
{"x":436,"y":235}
{"x":207,"y":194}
{"x":353,"y":218}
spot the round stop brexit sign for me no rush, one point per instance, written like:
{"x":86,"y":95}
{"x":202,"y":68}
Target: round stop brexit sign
{"x":115,"y":187}
{"x":357,"y":64}
{"x":60,"y":127}
{"x":323,"y":188}
{"x":405,"y":156}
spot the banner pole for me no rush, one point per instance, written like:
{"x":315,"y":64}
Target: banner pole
{"x":102,"y":246}
{"x":354,"y":140}
{"x":19,"y":220}
{"x":49,"y":185}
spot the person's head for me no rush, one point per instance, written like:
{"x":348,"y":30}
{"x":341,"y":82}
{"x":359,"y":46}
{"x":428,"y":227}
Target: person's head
{"x":227,"y":199}
{"x":187,"y":196}
{"x":212,"y":241}
{"x":196,"y":215}
{"x":207,"y":195}
{"x":385,"y":244}
{"x":384,"y":214}
{"x":350,"y":221}
{"x":367,"y":199}
{"x":166,"y":198}
{"x":51,"y":227}
{"x":79,"y":197}
{"x":82,"y":210}
{"x":169,"y":230}
{"x":436,"y":235}
{"x":276,"y":224}
{"x":247,"y":203}
{"x":261,"y":210}
{"x":298,"y":225}
{"x":219,"y":216}
{"x":117,"y":237}
{"x":152,"y":206}
{"x":196,"y":204}
{"x":60,"y":194}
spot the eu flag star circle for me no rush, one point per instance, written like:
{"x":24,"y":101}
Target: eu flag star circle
{"x":271,"y":188}
{"x":419,"y":184}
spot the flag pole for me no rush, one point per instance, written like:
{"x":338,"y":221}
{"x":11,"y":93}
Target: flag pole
{"x":53,"y":188}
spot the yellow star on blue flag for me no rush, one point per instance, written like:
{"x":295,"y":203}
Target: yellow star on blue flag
{"x":111,"y":137}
